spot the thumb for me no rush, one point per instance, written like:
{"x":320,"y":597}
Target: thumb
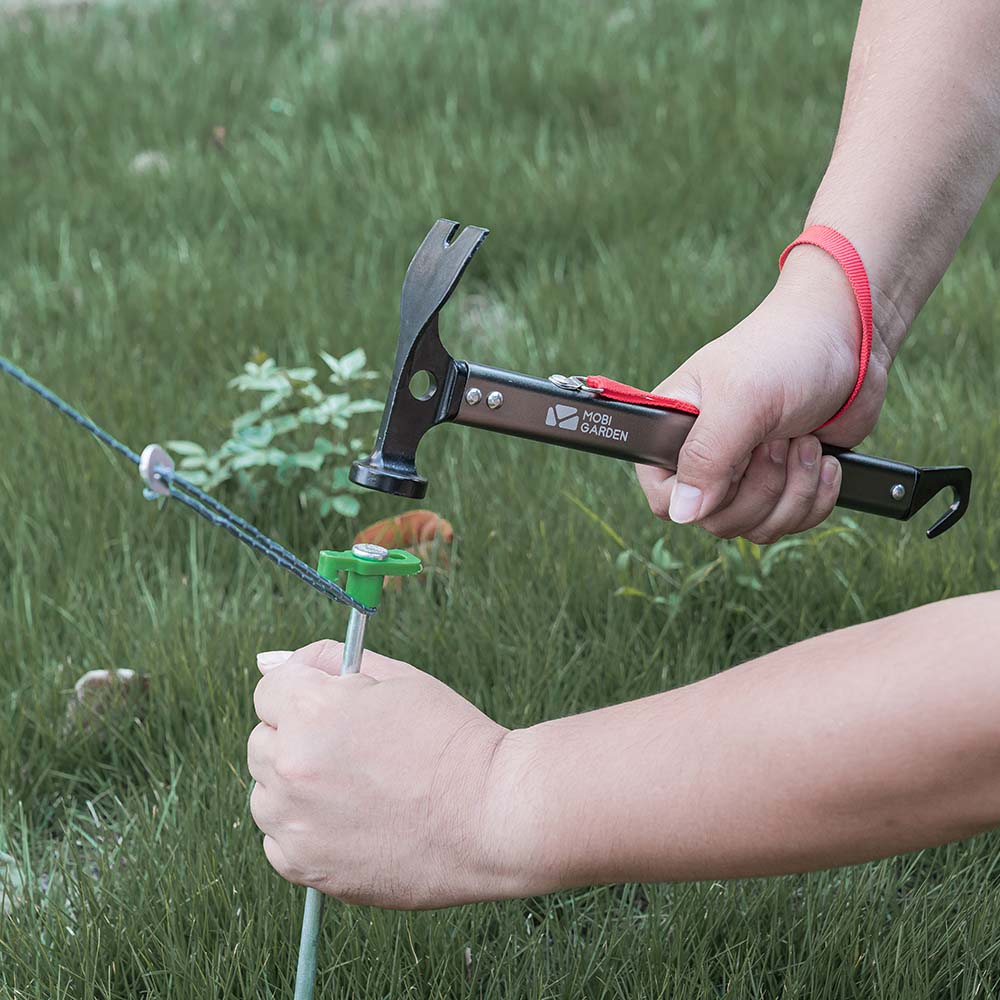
{"x":717,"y":449}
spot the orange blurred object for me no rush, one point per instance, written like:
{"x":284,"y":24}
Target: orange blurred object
{"x":426,"y":534}
{"x":415,"y":527}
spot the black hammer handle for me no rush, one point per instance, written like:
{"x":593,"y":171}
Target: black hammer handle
{"x":579,"y":418}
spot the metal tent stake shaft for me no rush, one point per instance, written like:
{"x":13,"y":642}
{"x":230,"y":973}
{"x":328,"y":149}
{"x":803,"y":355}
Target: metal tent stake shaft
{"x":354,"y":643}
{"x":366,"y":566}
{"x":305,"y":972}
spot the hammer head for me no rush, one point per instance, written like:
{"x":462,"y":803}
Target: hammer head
{"x":409,"y":412}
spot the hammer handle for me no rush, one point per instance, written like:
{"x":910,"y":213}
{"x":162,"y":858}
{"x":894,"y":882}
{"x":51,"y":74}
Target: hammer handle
{"x":535,"y":408}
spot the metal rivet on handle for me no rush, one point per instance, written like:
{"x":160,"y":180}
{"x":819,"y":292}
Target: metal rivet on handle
{"x":898,"y":491}
{"x":473,"y":396}
{"x":494,"y":400}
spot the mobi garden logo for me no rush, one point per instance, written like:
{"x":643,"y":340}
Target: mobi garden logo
{"x":569,"y":418}
{"x":566,"y":418}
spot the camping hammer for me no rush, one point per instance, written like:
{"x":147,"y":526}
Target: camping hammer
{"x":571,"y":411}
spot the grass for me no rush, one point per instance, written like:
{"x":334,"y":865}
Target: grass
{"x":640,"y":168}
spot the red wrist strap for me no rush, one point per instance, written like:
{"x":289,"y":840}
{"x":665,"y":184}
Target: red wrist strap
{"x":841,"y":249}
{"x":843,"y":252}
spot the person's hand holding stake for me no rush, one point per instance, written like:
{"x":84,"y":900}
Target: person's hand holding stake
{"x":375,"y":788}
{"x":390,"y":789}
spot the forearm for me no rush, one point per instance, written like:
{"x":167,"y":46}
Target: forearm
{"x":867,"y":742}
{"x":918,"y":146}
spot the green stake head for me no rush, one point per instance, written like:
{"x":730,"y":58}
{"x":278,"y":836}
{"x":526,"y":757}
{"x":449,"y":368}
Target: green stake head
{"x":366,"y":567}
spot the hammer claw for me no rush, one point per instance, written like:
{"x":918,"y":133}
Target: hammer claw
{"x":433,"y":273}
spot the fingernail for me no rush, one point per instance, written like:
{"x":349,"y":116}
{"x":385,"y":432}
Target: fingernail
{"x":828,"y":470}
{"x":272,"y":658}
{"x":777,"y":451}
{"x":685,"y":502}
{"x":809,"y":452}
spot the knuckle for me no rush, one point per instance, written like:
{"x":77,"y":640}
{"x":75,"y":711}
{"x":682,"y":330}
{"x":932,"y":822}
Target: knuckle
{"x":820,"y":512}
{"x":825,"y":505}
{"x":700,"y":452}
{"x":326,"y":647}
{"x":721,"y":525}
{"x":323,"y":653}
{"x":295,"y":768}
{"x":308,"y":700}
{"x":299,"y":864}
{"x":263,"y":694}
{"x":770,"y":488}
{"x":802,"y":495}
{"x":303,"y":703}
{"x":767,"y":536}
{"x":257,"y":810}
{"x":287,"y":867}
{"x":801,"y":491}
{"x":816,"y":517}
{"x":259,"y":693}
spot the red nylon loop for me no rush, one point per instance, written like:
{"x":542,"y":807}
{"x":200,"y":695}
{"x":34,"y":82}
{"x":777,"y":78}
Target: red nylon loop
{"x":841,"y":249}
{"x":620,"y":393}
{"x":843,"y":252}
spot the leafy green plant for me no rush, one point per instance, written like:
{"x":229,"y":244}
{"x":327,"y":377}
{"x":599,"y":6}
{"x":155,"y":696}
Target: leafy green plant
{"x":299,"y":433}
{"x":741,"y":564}
{"x":662,"y":578}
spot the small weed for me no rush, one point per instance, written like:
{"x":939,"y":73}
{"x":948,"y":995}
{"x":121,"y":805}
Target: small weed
{"x":738,"y":565}
{"x":270,"y":441}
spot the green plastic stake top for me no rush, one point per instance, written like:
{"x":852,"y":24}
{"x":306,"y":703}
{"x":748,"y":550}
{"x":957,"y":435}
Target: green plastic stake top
{"x":365,"y":574}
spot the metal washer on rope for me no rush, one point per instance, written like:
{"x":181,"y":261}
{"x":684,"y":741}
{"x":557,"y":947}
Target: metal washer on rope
{"x":151,"y":461}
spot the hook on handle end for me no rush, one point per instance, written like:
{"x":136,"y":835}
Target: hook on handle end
{"x":931,"y":481}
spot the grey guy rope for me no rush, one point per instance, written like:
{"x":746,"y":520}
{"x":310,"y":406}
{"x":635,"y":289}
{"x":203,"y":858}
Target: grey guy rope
{"x":201,"y":503}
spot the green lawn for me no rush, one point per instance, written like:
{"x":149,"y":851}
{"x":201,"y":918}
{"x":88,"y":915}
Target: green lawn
{"x":640,"y":168}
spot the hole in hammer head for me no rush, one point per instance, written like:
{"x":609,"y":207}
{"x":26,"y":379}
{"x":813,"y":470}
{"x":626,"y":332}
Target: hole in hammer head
{"x":423,"y":385}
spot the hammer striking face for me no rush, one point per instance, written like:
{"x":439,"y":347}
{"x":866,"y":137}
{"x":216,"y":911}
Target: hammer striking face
{"x":589,"y":414}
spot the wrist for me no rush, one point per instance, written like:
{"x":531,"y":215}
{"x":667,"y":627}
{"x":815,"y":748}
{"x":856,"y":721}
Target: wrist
{"x":813,"y":298}
{"x":892,"y":309}
{"x":810,"y":275}
{"x":813,"y":278}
